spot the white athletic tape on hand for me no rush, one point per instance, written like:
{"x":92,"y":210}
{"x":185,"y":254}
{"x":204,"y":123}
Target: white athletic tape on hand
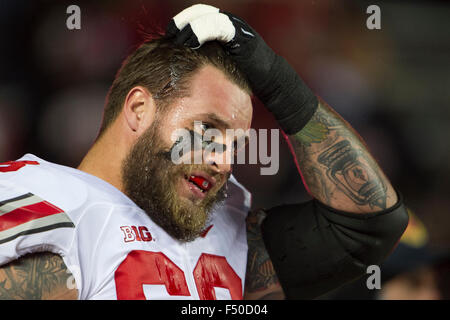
{"x":213,"y":26}
{"x":193,"y":12}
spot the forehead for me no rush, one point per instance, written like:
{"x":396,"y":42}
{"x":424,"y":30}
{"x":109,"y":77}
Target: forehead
{"x":212,"y":93}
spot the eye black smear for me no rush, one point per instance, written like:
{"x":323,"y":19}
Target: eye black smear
{"x":196,"y":139}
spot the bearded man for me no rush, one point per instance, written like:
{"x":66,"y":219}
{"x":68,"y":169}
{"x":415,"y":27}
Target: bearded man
{"x":129,"y":223}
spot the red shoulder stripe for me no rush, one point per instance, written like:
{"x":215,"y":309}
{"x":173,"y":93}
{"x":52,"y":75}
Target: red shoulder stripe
{"x":27,"y":213}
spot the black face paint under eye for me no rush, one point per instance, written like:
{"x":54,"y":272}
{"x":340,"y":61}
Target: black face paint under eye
{"x":196,"y":143}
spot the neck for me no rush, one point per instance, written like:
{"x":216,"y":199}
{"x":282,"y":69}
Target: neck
{"x":104,"y":160}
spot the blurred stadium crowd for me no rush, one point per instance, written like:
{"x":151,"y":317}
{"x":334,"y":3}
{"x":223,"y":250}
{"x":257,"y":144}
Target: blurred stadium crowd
{"x":391,"y":84}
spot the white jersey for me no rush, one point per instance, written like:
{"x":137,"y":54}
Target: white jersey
{"x":112,"y":248}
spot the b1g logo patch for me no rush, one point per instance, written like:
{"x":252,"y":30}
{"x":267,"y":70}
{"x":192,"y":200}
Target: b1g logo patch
{"x":136,"y":233}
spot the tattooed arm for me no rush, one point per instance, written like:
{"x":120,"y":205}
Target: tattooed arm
{"x":261,"y":282}
{"x":336,"y":166}
{"x":305,"y":250}
{"x":38,"y":276}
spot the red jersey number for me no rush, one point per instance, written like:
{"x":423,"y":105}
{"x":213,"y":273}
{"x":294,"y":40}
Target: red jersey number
{"x":15,"y":165}
{"x":146,"y":267}
{"x":214,"y":271}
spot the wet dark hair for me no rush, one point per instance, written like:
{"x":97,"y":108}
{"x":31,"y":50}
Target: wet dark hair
{"x":164,"y":69}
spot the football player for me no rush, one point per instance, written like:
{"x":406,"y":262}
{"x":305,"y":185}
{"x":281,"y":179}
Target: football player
{"x":129,"y":223}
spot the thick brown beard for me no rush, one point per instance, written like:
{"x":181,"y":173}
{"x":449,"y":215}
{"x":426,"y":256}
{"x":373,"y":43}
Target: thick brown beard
{"x":149,"y":178}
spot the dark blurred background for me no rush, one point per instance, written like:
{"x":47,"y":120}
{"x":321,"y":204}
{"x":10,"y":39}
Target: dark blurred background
{"x":392,"y":85}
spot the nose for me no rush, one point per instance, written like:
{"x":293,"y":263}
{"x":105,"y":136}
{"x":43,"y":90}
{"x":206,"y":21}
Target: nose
{"x":219,"y":162}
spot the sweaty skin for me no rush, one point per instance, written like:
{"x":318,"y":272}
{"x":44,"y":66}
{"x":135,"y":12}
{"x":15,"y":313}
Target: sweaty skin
{"x":213,"y":99}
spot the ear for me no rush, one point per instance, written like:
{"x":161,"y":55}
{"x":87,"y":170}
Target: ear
{"x":139,"y":109}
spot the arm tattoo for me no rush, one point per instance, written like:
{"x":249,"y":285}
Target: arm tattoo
{"x":357,"y":181}
{"x":34,"y":277}
{"x":337,"y":167}
{"x":260,"y":275}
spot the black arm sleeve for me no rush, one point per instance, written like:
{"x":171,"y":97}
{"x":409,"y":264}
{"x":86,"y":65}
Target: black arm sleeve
{"x":315,"y":248}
